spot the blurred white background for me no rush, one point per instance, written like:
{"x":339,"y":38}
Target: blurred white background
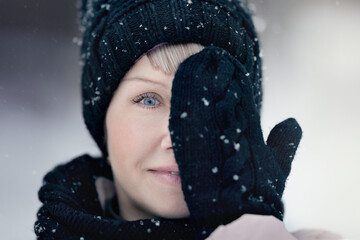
{"x":311,"y":57}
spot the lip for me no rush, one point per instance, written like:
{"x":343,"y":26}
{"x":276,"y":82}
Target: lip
{"x":163,"y":175}
{"x":170,"y":168}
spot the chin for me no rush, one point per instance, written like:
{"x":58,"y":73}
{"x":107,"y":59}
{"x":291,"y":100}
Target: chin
{"x":175,"y":211}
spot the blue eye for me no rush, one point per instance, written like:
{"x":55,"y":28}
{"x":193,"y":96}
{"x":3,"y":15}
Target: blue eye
{"x":147,"y":100}
{"x":150,"y":101}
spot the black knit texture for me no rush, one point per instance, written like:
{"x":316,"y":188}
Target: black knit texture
{"x":225,"y":166}
{"x":71,"y":209}
{"x":116,"y":33}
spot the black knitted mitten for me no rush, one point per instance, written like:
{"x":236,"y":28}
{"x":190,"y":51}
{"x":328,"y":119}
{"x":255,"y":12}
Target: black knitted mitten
{"x":225,"y":166}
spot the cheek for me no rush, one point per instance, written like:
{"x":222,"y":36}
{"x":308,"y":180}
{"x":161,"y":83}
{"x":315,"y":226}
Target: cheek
{"x":124,"y":138}
{"x":131,"y":138}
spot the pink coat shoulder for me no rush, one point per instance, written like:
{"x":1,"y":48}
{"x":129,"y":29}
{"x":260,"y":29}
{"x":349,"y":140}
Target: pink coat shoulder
{"x":256,"y":227}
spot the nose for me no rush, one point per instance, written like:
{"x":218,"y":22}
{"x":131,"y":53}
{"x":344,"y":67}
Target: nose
{"x":166,"y":139}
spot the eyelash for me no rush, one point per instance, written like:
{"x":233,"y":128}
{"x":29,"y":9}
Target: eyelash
{"x":143,"y":96}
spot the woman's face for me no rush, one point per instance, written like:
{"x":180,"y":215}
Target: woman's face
{"x":139,"y":145}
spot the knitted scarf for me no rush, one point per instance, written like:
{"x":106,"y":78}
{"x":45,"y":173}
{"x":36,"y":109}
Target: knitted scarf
{"x":71,"y":208}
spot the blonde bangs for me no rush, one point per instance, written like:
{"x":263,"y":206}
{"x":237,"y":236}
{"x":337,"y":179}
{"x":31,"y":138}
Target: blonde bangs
{"x":167,"y":57}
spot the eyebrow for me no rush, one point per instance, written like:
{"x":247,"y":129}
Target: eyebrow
{"x":145,"y":80}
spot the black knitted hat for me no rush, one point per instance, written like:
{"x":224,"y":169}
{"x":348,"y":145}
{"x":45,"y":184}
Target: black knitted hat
{"x":117,"y":32}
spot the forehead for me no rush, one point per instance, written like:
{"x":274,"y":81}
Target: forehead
{"x":145,"y":73}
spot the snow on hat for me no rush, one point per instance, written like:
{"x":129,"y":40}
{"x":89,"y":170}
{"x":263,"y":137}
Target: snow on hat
{"x":117,"y":32}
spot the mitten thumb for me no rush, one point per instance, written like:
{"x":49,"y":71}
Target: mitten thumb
{"x":284,"y":139}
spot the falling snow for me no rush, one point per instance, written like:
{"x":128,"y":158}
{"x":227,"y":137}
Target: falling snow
{"x":200,"y":25}
{"x":206,"y":102}
{"x":237,"y":146}
{"x":77,"y":41}
{"x":156,"y":222}
{"x":184,"y":115}
{"x":106,"y":6}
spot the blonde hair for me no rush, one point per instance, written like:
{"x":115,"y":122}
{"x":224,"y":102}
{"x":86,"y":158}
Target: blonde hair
{"x":167,"y":57}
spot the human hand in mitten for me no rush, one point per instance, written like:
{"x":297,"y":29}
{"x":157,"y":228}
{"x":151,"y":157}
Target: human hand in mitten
{"x":225,"y":166}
